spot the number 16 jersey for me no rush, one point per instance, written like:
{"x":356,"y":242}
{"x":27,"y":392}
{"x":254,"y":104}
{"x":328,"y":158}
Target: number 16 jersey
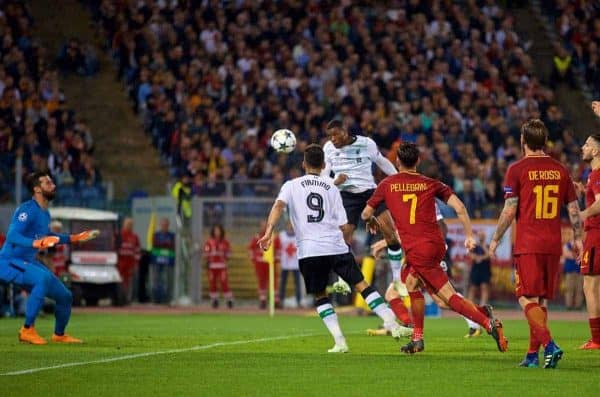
{"x":316,"y":211}
{"x":542,"y":186}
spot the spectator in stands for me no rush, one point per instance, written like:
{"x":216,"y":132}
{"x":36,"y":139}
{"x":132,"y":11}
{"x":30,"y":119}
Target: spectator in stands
{"x":34,"y":122}
{"x":220,"y":77}
{"x":71,"y":58}
{"x":182,"y":193}
{"x":562,"y":70}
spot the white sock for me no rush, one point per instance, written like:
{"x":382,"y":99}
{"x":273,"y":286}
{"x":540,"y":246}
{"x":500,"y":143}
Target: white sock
{"x":330,"y":319}
{"x":379,"y":307}
{"x":395,"y":258}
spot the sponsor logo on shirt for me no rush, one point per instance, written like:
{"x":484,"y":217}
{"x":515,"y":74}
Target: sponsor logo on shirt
{"x":22,"y":217}
{"x":508,"y":189}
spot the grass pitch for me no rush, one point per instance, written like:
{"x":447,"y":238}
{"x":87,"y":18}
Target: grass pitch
{"x":254,"y":355}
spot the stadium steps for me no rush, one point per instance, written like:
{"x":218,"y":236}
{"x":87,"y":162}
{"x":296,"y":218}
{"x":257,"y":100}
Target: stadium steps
{"x":123,"y":152}
{"x":242,"y":279}
{"x":532,"y":26}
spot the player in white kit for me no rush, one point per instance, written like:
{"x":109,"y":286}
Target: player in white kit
{"x":350,"y":158}
{"x":319,"y":219}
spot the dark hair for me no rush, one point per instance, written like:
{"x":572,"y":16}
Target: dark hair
{"x":534,"y":134}
{"x":314,"y":156}
{"x":214,"y":229}
{"x":335,"y":123}
{"x":596,"y":137}
{"x":408,"y":154}
{"x":33,"y":179}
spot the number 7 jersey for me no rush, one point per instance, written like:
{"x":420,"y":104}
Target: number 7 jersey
{"x":316,"y":211}
{"x":410,"y":198}
{"x":542,"y":186}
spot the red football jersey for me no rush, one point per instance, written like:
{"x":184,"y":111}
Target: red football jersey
{"x":591,"y":190}
{"x":410,"y":198}
{"x":542,"y":185}
{"x":216,"y":253}
{"x":256,"y":253}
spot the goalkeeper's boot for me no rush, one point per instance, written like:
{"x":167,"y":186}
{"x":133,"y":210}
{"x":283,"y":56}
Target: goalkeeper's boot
{"x":339,"y":348}
{"x":414,"y":346}
{"x":65,"y":338}
{"x":552,"y":355}
{"x":473,"y":332}
{"x":531,"y":360}
{"x":497,"y":332}
{"x":400,"y":331}
{"x":590,"y":345}
{"x":30,"y":335}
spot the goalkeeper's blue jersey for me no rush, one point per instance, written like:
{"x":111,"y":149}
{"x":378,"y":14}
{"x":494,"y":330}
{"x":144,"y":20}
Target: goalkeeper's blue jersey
{"x":29,"y":222}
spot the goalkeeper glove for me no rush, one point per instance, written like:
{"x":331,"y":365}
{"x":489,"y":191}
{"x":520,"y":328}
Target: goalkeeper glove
{"x":45,"y":242}
{"x":341,"y":287}
{"x":85,"y":236}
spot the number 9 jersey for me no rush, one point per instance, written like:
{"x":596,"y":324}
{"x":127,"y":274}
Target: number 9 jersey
{"x":542,"y":186}
{"x":316,"y":211}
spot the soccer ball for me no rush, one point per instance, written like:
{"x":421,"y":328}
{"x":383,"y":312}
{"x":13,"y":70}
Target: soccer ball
{"x":283,"y":141}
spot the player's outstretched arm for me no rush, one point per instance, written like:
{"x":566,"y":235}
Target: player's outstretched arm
{"x":265,"y":241}
{"x":463,"y":216}
{"x":509,"y":212}
{"x":385,"y":165}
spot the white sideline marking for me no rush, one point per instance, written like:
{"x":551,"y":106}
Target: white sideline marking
{"x":148,"y":354}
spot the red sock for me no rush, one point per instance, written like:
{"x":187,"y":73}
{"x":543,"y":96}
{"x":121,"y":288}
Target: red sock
{"x":536,"y":319}
{"x":401,"y":312}
{"x":417,"y":306}
{"x":534,"y":343}
{"x":469,"y":310}
{"x":481,"y":309}
{"x":595,"y":329}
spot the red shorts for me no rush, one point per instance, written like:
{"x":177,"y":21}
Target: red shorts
{"x":590,"y":262}
{"x":537,"y":275}
{"x":424,"y":263}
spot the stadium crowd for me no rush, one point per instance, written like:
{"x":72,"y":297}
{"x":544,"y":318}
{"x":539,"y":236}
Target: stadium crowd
{"x":212,"y":82}
{"x":578,"y":25}
{"x":35,"y":122}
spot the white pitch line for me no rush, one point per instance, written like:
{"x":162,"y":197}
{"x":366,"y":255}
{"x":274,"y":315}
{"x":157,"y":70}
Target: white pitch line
{"x":149,"y":354}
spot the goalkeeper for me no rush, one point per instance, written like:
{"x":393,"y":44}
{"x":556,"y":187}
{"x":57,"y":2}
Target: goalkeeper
{"x":29,"y":232}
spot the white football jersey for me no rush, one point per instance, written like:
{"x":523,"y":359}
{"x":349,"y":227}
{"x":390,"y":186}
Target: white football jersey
{"x":316,"y":211}
{"x":354,"y":160}
{"x":288,"y":252}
